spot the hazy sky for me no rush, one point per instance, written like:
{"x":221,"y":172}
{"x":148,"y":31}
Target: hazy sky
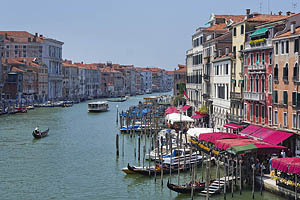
{"x":139,"y":32}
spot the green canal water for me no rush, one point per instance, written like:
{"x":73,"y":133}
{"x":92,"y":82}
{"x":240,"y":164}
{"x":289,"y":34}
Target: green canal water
{"x":78,"y":158}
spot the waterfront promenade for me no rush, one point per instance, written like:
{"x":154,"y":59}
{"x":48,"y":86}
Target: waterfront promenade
{"x":78,"y":158}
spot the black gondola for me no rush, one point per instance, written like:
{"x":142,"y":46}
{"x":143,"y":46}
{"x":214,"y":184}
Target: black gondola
{"x":198,"y":187}
{"x":37,"y":134}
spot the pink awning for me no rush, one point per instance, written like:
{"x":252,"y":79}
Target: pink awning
{"x":250,"y":129}
{"x":213,"y":137}
{"x":271,"y":136}
{"x":171,"y":110}
{"x":233,"y":126}
{"x":199,"y":116}
{"x":289,"y":165}
{"x":184,"y":108}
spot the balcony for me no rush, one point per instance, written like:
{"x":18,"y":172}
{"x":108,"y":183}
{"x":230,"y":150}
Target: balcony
{"x":295,"y":79}
{"x":254,"y":96}
{"x":285,"y":79}
{"x":236,"y":95}
{"x":257,"y":67}
{"x":259,"y":43}
{"x":234,"y":118}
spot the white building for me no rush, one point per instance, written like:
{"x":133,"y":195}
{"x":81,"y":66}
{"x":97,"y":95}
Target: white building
{"x":146,"y":79}
{"x":221,"y":80}
{"x":52,"y":57}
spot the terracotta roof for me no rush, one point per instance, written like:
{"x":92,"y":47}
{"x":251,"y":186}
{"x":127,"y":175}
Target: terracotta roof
{"x":15,"y":69}
{"x":297,"y":32}
{"x":221,"y":27}
{"x":182,"y":68}
{"x":22,"y":61}
{"x":108,"y":69}
{"x":20,"y":36}
{"x":266,"y":18}
{"x":235,"y":18}
{"x":169,"y":72}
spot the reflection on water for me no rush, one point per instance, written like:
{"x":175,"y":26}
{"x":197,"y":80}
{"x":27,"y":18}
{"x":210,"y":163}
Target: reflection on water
{"x":78,"y":158}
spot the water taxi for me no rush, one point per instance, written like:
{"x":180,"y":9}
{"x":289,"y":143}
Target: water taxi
{"x":99,"y":106}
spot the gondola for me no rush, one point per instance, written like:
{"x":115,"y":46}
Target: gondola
{"x":149,"y":171}
{"x":187,"y":188}
{"x":37,"y":134}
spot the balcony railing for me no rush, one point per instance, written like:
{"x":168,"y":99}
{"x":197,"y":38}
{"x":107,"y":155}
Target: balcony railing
{"x":254,"y":96}
{"x":236,"y":95}
{"x":257,"y":67}
{"x":285,"y":78}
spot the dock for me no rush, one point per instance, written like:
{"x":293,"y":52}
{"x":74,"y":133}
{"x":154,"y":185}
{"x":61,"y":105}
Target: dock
{"x":216,"y":187}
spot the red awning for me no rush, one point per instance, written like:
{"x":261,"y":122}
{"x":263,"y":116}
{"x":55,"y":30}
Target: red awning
{"x":289,"y":165}
{"x":213,"y":137}
{"x":184,"y":108}
{"x":199,"y":116}
{"x":249,"y":130}
{"x":271,"y":136}
{"x":233,"y":126}
{"x":171,"y":110}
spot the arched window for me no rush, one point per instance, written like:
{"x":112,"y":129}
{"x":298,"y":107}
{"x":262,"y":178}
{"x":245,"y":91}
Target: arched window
{"x":276,"y":72}
{"x":245,"y":84}
{"x":263,"y":83}
{"x":270,"y":84}
{"x":295,"y":72}
{"x":256,"y":83}
{"x":286,"y":72}
{"x":251,"y":84}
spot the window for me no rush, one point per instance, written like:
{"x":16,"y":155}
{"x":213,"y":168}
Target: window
{"x":256,"y":113}
{"x":287,"y":47}
{"x":256,"y":83}
{"x":285,"y":97}
{"x":284,"y":119}
{"x":286,"y":72}
{"x":241,"y":47}
{"x":245,"y":59}
{"x":251,"y":112}
{"x":294,"y":98}
{"x":276,"y":72}
{"x":234,"y":51}
{"x":270,"y":85}
{"x":270,"y":115}
{"x":245,"y":111}
{"x":275,"y":117}
{"x":275,"y":96}
{"x":257,"y":58}
{"x":242,"y":29}
{"x":282,"y":47}
{"x":234,"y":32}
{"x":245,"y":82}
{"x":221,"y":92}
{"x":263,"y":58}
{"x":226,"y":69}
{"x":263,"y":114}
{"x":298,"y":126}
{"x":295,"y":72}
{"x":251,"y":84}
{"x":276,"y":48}
{"x":251,"y":59}
{"x":296,"y":45}
{"x":294,"y":120}
{"x":270,"y":58}
{"x":263,"y":83}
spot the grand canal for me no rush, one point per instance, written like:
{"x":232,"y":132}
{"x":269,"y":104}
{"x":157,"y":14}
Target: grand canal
{"x":78,"y":158}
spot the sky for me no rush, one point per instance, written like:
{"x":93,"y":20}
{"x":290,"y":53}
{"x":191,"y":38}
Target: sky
{"x":139,"y":32}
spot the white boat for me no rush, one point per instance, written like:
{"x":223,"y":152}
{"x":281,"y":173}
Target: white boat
{"x":98,"y":106}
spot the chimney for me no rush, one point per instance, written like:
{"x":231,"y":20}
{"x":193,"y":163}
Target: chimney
{"x":279,"y":13}
{"x":247,"y":12}
{"x":220,"y":52}
{"x":226,"y":50}
{"x":288,"y":13}
{"x":29,"y":39}
{"x":36,"y":34}
{"x":293,"y":23}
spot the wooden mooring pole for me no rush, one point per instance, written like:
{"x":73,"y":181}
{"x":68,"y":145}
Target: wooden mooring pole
{"x":253,"y":179}
{"x":241,"y":176}
{"x":117,"y":144}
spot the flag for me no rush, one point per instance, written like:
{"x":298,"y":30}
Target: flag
{"x":185,"y":96}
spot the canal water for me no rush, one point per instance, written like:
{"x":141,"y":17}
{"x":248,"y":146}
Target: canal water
{"x":78,"y":158}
